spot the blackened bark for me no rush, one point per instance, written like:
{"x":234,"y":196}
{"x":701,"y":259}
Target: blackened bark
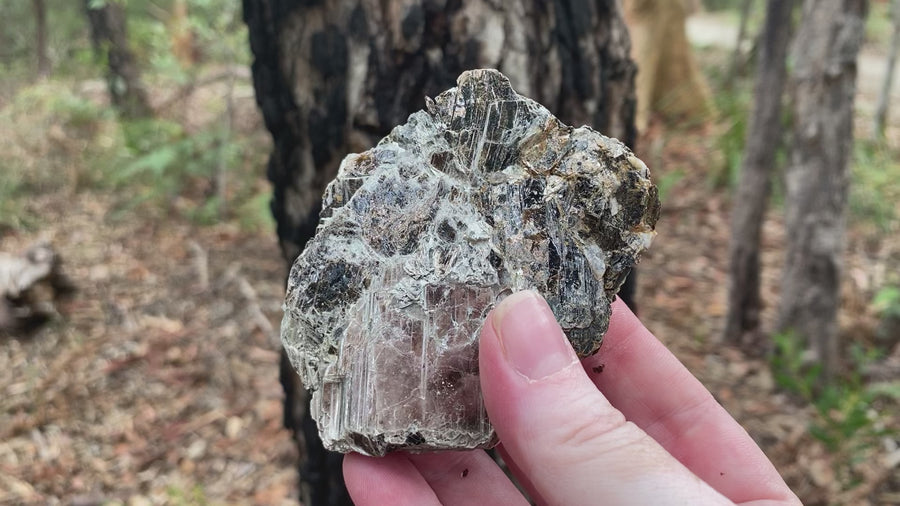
{"x":333,"y":77}
{"x":824,"y":85}
{"x":123,"y":78}
{"x":763,"y":138}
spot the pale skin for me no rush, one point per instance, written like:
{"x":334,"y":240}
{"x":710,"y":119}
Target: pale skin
{"x":629,"y":425}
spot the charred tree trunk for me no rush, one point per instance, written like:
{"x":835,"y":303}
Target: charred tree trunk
{"x":123,"y":78}
{"x":824,"y":84}
{"x":763,"y":138}
{"x":40,"y":35}
{"x":334,"y":77}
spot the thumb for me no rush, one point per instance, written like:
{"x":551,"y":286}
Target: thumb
{"x":569,"y":443}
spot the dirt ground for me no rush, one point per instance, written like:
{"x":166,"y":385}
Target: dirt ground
{"x":158,"y":382}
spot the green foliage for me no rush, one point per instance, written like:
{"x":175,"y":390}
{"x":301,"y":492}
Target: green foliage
{"x":50,"y":139}
{"x":59,"y":136}
{"x":721,"y":5}
{"x":666,"y":181}
{"x":887,"y":302}
{"x":875,"y":188}
{"x":215,"y":25}
{"x":255,"y":213}
{"x":792,"y":371}
{"x":166,"y":162}
{"x":193,"y":497}
{"x":733,"y":106}
{"x":13,"y":212}
{"x":68,"y":42}
{"x":847,"y":420}
{"x":878,"y":24}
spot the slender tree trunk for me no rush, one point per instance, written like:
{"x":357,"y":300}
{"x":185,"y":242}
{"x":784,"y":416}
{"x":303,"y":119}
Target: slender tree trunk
{"x":763,"y":137}
{"x":40,"y":35}
{"x":181,"y":35}
{"x":824,"y":85}
{"x":110,"y":38}
{"x":333,"y":77}
{"x":736,"y":56}
{"x":881,"y":111}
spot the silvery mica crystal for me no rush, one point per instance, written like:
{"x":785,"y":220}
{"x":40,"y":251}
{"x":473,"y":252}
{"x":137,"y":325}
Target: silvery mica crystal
{"x":482,"y":194}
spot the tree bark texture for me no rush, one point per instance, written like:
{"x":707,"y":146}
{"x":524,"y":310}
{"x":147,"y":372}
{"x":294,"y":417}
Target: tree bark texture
{"x":824,"y":85}
{"x":123,"y":79}
{"x":884,"y":98}
{"x":333,"y":77}
{"x":669,"y":81}
{"x":40,"y":35}
{"x":763,"y":138}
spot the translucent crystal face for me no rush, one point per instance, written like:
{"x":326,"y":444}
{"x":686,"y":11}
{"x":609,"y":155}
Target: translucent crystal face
{"x":483,"y":194}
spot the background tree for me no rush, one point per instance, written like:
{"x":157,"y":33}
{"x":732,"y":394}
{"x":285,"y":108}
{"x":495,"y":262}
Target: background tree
{"x":884,"y":98}
{"x":333,"y":77}
{"x":40,"y":37}
{"x":823,"y":89}
{"x":763,"y":137}
{"x":181,"y":35}
{"x":669,"y":80}
{"x":110,"y":39}
{"x":736,"y":57}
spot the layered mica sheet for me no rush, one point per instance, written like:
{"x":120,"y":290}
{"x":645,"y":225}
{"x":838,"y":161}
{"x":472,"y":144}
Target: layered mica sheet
{"x":483,"y":194}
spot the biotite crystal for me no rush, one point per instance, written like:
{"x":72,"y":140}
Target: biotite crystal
{"x":482,"y":194}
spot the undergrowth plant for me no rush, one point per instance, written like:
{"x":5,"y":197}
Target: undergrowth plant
{"x":54,"y":139}
{"x":733,"y":106}
{"x":50,"y":140}
{"x":847,"y":419}
{"x":887,"y":301}
{"x":875,"y":188}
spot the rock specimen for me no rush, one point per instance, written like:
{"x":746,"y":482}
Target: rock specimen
{"x":31,"y":286}
{"x":483,"y":194}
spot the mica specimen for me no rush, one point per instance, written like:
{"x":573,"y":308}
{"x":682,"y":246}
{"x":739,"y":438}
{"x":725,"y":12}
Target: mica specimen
{"x":482,"y":194}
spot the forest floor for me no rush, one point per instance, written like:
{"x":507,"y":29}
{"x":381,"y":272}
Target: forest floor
{"x":158,"y":382}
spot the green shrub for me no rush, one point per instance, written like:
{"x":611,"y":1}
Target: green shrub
{"x":875,"y":186}
{"x":847,"y":419}
{"x":733,"y":106}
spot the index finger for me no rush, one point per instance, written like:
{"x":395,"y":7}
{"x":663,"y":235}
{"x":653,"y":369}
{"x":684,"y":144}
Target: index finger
{"x":648,"y":384}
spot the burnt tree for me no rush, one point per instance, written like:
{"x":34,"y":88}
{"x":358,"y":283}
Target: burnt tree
{"x":333,"y":77}
{"x":123,"y":76}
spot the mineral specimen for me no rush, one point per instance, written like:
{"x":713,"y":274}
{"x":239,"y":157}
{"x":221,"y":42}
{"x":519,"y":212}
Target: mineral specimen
{"x":483,"y":194}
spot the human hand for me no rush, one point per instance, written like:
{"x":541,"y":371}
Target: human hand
{"x":629,"y":425}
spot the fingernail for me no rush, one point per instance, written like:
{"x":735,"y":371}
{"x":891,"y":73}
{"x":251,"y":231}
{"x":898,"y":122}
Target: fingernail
{"x":532,"y":341}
